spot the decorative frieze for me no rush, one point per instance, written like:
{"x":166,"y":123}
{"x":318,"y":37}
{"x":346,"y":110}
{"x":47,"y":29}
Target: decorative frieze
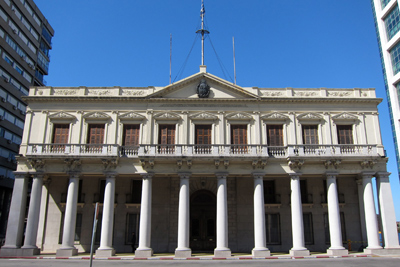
{"x":132,"y":92}
{"x":99,"y":92}
{"x":65,"y":92}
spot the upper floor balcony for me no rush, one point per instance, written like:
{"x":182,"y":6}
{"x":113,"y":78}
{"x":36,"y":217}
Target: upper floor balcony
{"x":202,"y":151}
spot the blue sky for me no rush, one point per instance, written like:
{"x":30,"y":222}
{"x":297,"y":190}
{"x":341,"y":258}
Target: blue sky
{"x":291,"y":43}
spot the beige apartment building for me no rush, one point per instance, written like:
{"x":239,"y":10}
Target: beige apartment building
{"x":201,"y":165}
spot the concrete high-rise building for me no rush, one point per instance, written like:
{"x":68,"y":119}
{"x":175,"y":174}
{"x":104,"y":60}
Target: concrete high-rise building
{"x":25,"y":42}
{"x":387,"y":25}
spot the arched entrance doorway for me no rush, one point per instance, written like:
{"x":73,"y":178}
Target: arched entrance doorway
{"x":202,"y":221}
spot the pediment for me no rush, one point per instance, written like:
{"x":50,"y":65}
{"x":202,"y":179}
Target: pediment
{"x":239,"y":116}
{"x":310,"y":116}
{"x":344,"y":116}
{"x":275,"y":116}
{"x":167,"y":116}
{"x":218,"y":89}
{"x":96,"y":116}
{"x":62,"y":116}
{"x":203,"y":116}
{"x":131,"y":116}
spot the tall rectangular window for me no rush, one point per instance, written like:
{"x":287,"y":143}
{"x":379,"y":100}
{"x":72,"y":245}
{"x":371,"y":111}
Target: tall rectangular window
{"x":136,"y":192}
{"x":203,"y":139}
{"x":60,"y":133}
{"x":269,"y":192}
{"x":273,"y":228}
{"x":310,"y":134}
{"x":131,"y":135}
{"x":326,"y":226}
{"x":96,"y":134}
{"x":392,"y":22}
{"x":275,"y":135}
{"x":384,"y":3}
{"x":239,"y":139}
{"x":308,"y":229}
{"x":166,"y":138}
{"x":395,"y":56}
{"x":305,"y":198}
{"x":132,"y":229}
{"x":345,"y":134}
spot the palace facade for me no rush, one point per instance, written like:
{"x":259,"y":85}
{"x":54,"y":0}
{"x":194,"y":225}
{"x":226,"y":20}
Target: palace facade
{"x":201,"y":165}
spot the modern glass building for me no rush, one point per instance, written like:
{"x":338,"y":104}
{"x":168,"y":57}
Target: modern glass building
{"x":25,"y":42}
{"x":387,"y":25}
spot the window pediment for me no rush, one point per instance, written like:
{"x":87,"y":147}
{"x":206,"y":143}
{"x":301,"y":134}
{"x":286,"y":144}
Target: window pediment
{"x":62,"y":116}
{"x":239,"y":116}
{"x":310,"y":117}
{"x":203,"y":116}
{"x":345,"y":117}
{"x":275,"y":116}
{"x":167,"y":116}
{"x":131,"y":116}
{"x":96,"y":116}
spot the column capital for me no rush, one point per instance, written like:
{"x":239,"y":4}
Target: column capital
{"x":383,"y":175}
{"x":74,"y":174}
{"x":38,"y":174}
{"x":147,"y":175}
{"x":221,"y":175}
{"x":295,"y":175}
{"x":20,"y":175}
{"x":366,"y":175}
{"x":331,"y":174}
{"x":184,"y":175}
{"x":258,"y":175}
{"x":110,"y":174}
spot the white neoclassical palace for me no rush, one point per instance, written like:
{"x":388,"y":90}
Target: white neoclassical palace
{"x":201,"y":165}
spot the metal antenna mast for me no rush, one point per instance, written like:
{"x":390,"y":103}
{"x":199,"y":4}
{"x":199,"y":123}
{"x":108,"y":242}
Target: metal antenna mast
{"x":202,"y":31}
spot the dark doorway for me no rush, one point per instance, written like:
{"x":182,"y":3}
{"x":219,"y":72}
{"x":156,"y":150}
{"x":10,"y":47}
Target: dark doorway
{"x":203,"y":221}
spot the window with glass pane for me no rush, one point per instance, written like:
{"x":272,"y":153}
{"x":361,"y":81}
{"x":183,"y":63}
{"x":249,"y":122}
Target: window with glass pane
{"x":166,"y":138}
{"x":392,"y":22}
{"x":384,"y":3}
{"x":60,"y":133}
{"x":136,"y":192}
{"x":310,"y":134}
{"x":239,"y":138}
{"x":131,"y":134}
{"x":273,"y":229}
{"x":275,"y":135}
{"x":203,"y":139}
{"x":395,"y":56}
{"x":308,"y":229}
{"x":345,"y":134}
{"x":326,"y":226}
{"x":132,"y":229}
{"x":269,"y":192}
{"x":305,"y":197}
{"x":95,"y":136}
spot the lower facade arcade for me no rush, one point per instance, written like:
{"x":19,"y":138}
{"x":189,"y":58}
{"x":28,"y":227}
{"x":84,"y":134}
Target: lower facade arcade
{"x":185,"y":212}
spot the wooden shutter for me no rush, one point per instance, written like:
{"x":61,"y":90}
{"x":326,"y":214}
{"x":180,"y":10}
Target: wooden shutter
{"x":345,"y":134}
{"x":238,"y":134}
{"x":60,"y":133}
{"x":275,"y":135}
{"x":131,"y":134}
{"x":310,"y":134}
{"x":96,"y":134}
{"x":167,"y":135}
{"x":203,"y":134}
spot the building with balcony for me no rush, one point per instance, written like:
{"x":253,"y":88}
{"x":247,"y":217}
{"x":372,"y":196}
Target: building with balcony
{"x":201,"y":165}
{"x":387,"y":24}
{"x":25,"y":42}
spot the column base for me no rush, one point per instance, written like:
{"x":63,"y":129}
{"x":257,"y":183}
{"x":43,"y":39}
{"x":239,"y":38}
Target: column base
{"x":143,"y":253}
{"x":299,"y":253}
{"x":10,"y":251}
{"x":337,"y":252}
{"x":108,"y":252}
{"x":260,"y":252}
{"x":183,"y":253}
{"x":385,"y":251}
{"x":66,"y":252}
{"x":222,"y":253}
{"x":30,"y":251}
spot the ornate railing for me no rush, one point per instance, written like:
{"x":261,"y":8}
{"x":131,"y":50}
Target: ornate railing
{"x":157,"y":150}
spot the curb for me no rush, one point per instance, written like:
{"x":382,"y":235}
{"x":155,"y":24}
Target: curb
{"x":190,"y":258}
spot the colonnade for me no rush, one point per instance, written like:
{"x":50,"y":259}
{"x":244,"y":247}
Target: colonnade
{"x":14,"y":246}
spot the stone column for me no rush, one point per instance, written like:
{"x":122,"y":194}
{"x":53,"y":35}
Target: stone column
{"x":107,"y":223}
{"x":335,"y":230}
{"x":32,"y":223}
{"x":260,"y":249}
{"x":183,"y":250}
{"x":144,"y":250}
{"x":67,"y":248}
{"x":15,"y":224}
{"x":360,"y":191}
{"x":298,"y":248}
{"x":370,"y":213}
{"x":388,"y":214}
{"x":222,"y":250}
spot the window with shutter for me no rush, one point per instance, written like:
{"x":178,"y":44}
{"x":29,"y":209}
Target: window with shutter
{"x":345,"y":134}
{"x":166,"y":138}
{"x":203,"y":139}
{"x":95,"y":136}
{"x":131,"y":135}
{"x":275,"y":135}
{"x":60,"y":136}
{"x":310,"y":134}
{"x":239,"y":139}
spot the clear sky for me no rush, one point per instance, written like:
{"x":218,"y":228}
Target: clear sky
{"x":291,"y":43}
